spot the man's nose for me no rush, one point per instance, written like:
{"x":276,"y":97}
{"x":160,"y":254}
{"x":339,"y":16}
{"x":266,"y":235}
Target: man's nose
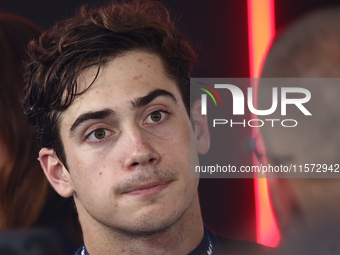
{"x":139,"y":149}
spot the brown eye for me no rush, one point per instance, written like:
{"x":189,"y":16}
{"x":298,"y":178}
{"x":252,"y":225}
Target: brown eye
{"x":156,"y":116}
{"x":100,"y":133}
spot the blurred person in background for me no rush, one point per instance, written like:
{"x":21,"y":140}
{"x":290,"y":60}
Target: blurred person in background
{"x":23,"y":188}
{"x":26,"y":198}
{"x":307,"y":210}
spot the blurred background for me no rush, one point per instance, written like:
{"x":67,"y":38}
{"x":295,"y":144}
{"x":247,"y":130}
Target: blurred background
{"x":219,"y":29}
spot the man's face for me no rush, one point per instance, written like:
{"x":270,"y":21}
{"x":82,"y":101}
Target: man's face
{"x":127,"y":145}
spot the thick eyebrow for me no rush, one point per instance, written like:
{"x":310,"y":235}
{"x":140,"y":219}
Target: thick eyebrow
{"x":102,"y":114}
{"x":142,"y":101}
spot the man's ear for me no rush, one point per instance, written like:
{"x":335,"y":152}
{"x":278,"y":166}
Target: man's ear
{"x":201,"y":129}
{"x":56,"y":173}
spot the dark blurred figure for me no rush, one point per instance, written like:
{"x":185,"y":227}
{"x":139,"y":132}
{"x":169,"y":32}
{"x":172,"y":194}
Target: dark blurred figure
{"x":23,"y":186}
{"x":307,"y":210}
{"x":26,"y":198}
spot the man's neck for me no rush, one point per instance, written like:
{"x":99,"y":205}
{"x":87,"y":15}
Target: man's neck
{"x":180,"y":238}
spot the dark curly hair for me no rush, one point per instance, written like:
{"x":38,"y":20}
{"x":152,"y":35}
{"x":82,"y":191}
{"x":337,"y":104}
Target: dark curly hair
{"x":93,"y":37}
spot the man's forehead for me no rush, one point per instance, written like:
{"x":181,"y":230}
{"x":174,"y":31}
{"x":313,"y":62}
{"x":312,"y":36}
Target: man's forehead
{"x":123,"y":81}
{"x":149,"y":63}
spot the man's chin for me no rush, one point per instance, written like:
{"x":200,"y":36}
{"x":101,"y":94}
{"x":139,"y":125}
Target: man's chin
{"x":149,"y":224}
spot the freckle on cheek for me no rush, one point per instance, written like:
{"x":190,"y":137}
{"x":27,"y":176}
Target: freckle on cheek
{"x":100,"y":173}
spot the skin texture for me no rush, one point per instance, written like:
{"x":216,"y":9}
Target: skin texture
{"x":129,"y":165}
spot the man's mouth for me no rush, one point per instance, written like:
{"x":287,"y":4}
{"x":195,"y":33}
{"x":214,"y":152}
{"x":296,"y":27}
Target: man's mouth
{"x":147,"y":189}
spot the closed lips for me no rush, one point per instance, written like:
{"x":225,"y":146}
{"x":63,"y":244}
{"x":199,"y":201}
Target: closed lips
{"x":147,"y":186}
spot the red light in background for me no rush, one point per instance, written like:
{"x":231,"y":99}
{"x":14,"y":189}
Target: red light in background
{"x":261,"y":30}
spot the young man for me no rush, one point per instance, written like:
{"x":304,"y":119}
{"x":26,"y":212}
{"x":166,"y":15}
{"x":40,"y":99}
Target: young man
{"x":108,"y":92}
